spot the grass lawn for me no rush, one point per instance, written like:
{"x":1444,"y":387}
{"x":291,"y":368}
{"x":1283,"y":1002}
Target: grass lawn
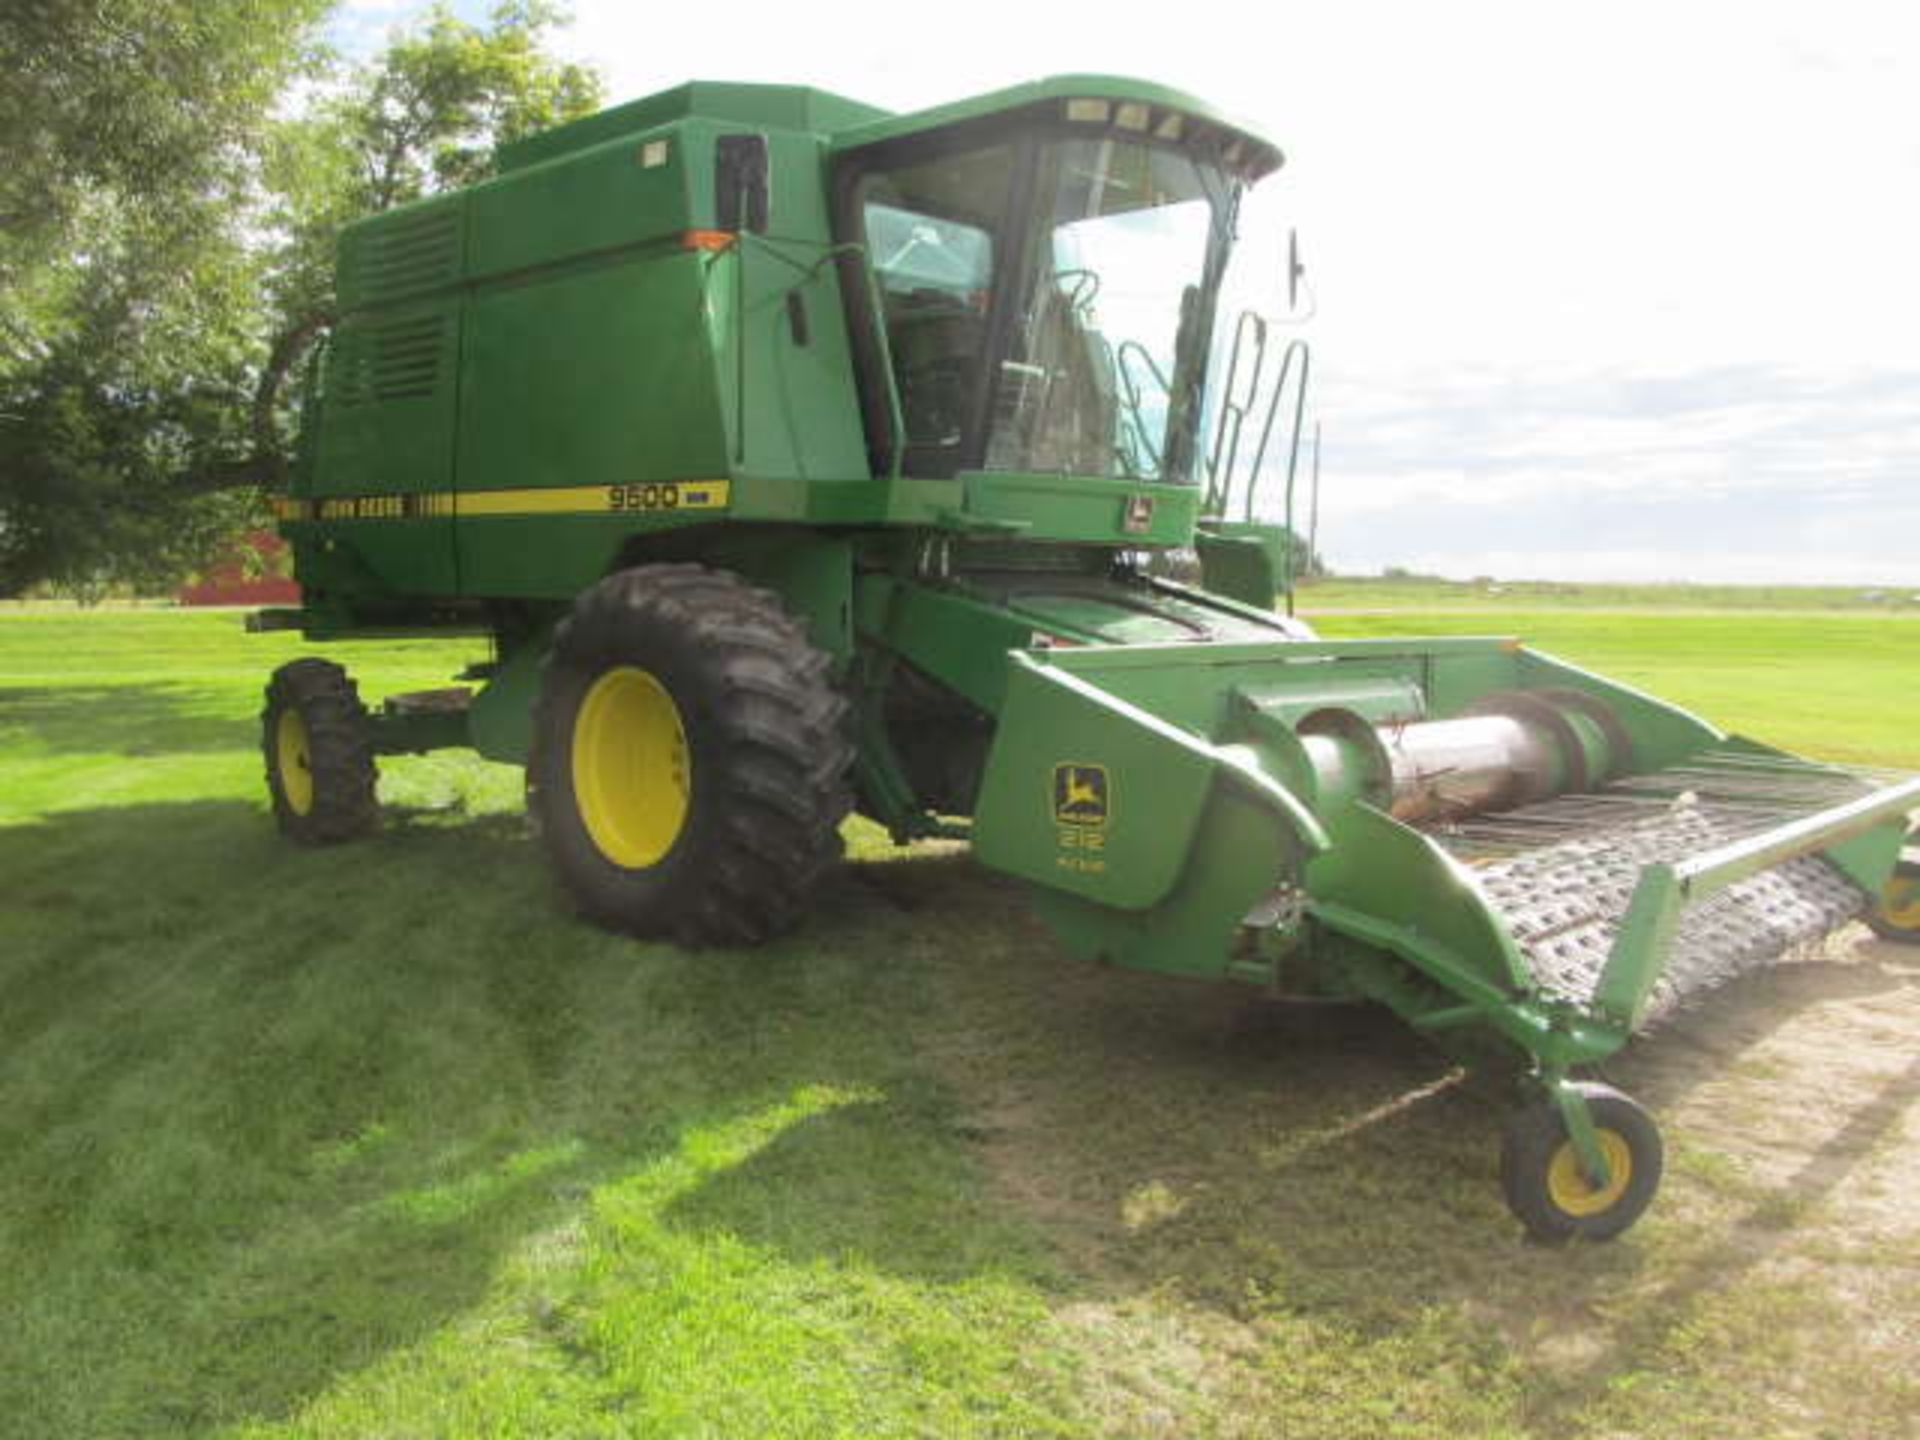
{"x":1844,"y":686}
{"x":380,"y":1141}
{"x":1425,"y":595}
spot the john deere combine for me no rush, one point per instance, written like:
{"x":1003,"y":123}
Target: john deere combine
{"x":798,"y":457}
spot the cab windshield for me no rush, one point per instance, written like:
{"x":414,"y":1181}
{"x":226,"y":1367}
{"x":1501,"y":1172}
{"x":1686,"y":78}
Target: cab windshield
{"x":1047,"y":302}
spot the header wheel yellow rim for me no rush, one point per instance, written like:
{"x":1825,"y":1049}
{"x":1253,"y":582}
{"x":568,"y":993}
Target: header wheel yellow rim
{"x":293,"y":762}
{"x":1899,"y":904}
{"x":632,"y":774}
{"x":1570,"y":1189}
{"x":1548,"y":1189}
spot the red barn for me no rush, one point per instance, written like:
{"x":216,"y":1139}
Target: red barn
{"x":253,"y":573}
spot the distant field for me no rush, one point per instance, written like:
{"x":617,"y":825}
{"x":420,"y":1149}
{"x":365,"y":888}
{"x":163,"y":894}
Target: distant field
{"x":1843,"y":686}
{"x":380,"y":1141}
{"x":1347,"y":594}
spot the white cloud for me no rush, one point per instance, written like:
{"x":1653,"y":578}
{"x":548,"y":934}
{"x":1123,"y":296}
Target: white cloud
{"x":1481,"y":180}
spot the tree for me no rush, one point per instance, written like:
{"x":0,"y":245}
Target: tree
{"x":152,"y":306}
{"x":91,"y":461}
{"x":128,"y":302}
{"x":424,"y":116}
{"x":429,"y":114}
{"x":135,"y":119}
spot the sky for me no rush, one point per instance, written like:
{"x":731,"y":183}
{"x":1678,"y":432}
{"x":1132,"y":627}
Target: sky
{"x":1600,"y":292}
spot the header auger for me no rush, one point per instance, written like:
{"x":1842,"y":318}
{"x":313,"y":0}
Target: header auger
{"x":799,"y":458}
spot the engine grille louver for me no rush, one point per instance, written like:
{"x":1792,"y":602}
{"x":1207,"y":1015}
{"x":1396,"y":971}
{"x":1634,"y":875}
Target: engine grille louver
{"x":401,"y":258}
{"x":395,"y":360}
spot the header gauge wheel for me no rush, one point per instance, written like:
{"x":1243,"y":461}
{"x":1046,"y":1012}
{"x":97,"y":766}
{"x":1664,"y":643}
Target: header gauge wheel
{"x":1896,"y":909}
{"x":320,"y":770}
{"x":1548,"y":1189}
{"x":690,"y":764}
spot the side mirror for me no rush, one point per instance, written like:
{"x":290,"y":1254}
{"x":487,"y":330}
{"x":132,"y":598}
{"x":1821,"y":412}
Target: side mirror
{"x":741,"y":190}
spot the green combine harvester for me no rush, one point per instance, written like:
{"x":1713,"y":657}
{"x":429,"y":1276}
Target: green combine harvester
{"x":800,"y":458}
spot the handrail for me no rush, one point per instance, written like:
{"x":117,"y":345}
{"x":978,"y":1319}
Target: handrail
{"x":1295,"y":347}
{"x":1236,"y":407}
{"x":1220,"y":477}
{"x":1250,"y":333}
{"x":1133,"y":397}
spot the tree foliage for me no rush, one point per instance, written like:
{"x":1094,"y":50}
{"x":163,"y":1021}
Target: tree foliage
{"x":134,"y":119}
{"x":429,"y":114}
{"x":166,"y":245}
{"x":425,"y":115}
{"x":91,"y":470}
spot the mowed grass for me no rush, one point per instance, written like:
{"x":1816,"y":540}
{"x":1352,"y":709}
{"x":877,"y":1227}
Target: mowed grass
{"x":1430,"y":593}
{"x":1843,"y":686}
{"x":378,"y":1140}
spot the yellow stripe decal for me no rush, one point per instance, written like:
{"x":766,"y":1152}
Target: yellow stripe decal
{"x":366,"y":507}
{"x":598,"y":499}
{"x":643,"y":497}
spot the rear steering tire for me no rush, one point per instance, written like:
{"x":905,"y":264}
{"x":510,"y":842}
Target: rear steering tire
{"x":690,"y":761}
{"x":1547,"y":1188}
{"x":319,"y":754}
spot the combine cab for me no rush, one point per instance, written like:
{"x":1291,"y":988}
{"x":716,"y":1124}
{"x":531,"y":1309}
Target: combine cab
{"x":799,"y":458}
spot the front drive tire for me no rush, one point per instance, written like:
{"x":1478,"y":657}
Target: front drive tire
{"x":319,"y":754}
{"x":690,"y":762}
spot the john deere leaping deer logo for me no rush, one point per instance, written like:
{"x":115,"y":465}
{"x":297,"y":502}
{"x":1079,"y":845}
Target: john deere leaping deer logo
{"x":1081,"y":795}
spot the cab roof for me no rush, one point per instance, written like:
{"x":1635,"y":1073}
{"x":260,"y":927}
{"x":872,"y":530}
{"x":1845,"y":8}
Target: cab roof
{"x":1113,"y":101}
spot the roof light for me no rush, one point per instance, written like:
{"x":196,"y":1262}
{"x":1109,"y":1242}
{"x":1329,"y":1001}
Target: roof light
{"x":1131,"y":115}
{"x":1170,"y":126}
{"x":1093,"y":112}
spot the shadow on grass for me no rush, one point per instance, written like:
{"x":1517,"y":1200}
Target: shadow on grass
{"x":271,"y":1114}
{"x":1175,"y":1138}
{"x":207,"y":1057}
{"x":1742,"y":1246}
{"x":132,"y":719}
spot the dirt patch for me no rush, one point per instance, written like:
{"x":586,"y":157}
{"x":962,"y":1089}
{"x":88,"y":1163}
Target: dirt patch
{"x":1226,"y":1181}
{"x":1795,"y":1098}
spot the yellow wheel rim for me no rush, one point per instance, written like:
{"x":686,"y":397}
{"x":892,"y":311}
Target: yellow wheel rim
{"x":1570,"y":1190}
{"x":1900,"y":902}
{"x":292,"y":763}
{"x":631,"y":774}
